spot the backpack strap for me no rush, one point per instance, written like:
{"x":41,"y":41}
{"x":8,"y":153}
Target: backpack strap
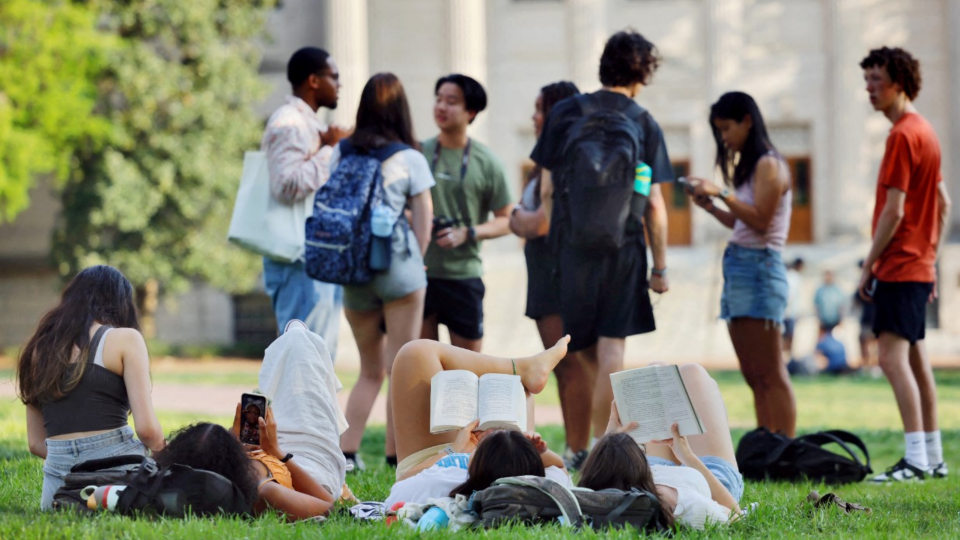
{"x":631,"y":496}
{"x":841,"y":438}
{"x":386,"y":152}
{"x":95,"y":465}
{"x":565,"y":500}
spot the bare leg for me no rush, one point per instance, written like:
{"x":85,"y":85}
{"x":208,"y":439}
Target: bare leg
{"x":417,"y":363}
{"x":709,"y":405}
{"x":895,"y":362}
{"x":469,"y":344}
{"x":430,"y":328}
{"x":404,"y":318}
{"x":609,"y":360}
{"x":757,"y":343}
{"x":370,"y":342}
{"x":575,"y":385}
{"x":923,"y":373}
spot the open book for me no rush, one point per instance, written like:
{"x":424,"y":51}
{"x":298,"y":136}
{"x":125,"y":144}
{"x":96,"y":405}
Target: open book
{"x":458,"y":397}
{"x":655,"y":397}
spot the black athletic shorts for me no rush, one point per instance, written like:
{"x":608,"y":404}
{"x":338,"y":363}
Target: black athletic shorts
{"x":604,"y":294}
{"x":458,"y":304}
{"x":902,"y":309}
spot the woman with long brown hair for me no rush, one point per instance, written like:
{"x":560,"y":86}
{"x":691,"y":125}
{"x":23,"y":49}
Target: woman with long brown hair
{"x":696,"y":478}
{"x":394,"y":297}
{"x":80,"y":375}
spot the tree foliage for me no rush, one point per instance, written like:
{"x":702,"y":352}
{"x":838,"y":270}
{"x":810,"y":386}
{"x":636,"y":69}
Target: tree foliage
{"x":51,"y":56}
{"x":180,"y":91}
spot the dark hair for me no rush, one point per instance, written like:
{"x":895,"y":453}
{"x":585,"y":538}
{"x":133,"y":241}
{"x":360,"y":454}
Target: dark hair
{"x":474,"y":96}
{"x":383,"y":116}
{"x":499,"y":455}
{"x":902,"y":67}
{"x":306,"y":62}
{"x":210,"y":447}
{"x":617,"y":462}
{"x":555,"y":93}
{"x":736,"y":106}
{"x":628,"y":58}
{"x":98,"y":294}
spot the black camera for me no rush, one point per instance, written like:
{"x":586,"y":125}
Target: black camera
{"x":444,"y":222}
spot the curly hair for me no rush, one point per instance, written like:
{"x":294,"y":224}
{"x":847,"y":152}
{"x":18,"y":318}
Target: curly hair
{"x":628,"y":58}
{"x":211,"y":447}
{"x":902,"y":67}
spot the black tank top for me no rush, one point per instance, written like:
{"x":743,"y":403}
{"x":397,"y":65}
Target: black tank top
{"x":99,"y":402}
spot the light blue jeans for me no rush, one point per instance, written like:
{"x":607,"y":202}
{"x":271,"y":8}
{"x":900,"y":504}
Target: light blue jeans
{"x":295,"y":295}
{"x":62,"y":455}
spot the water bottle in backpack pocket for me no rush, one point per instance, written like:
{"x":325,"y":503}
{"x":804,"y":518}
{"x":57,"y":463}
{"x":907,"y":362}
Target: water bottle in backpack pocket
{"x":381,"y":229}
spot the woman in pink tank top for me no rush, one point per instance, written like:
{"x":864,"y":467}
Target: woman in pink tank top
{"x":758,"y":199}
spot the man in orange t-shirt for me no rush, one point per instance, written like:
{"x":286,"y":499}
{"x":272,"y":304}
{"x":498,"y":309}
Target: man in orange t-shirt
{"x":909,"y":220}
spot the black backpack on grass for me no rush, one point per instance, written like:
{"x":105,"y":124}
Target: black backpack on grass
{"x":172,"y":491}
{"x":537,"y":500}
{"x":763,"y":455}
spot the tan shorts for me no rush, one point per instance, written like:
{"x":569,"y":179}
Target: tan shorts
{"x":417,"y":458}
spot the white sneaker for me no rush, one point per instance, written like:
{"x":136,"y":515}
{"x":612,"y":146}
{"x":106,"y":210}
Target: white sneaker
{"x":901,"y":472}
{"x":938,"y":471}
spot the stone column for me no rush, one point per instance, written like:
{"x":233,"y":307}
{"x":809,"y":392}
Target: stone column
{"x":951,"y":167}
{"x":724,"y":32}
{"x":467,"y":42}
{"x":586,"y":36}
{"x":346,"y":38}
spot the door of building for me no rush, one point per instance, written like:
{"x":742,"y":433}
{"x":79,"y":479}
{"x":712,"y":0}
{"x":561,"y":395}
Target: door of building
{"x":679,"y":221}
{"x":801,"y":218}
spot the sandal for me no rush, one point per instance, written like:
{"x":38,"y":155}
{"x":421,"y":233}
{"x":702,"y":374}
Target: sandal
{"x":831,"y":499}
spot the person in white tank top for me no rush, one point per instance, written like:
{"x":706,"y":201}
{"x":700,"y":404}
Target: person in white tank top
{"x":757,"y":196}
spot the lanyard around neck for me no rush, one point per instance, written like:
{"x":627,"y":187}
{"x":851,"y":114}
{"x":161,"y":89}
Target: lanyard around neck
{"x":463,"y":162}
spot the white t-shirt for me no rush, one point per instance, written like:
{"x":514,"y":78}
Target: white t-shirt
{"x":437,"y":482}
{"x":405,"y":174}
{"x":695,"y":506}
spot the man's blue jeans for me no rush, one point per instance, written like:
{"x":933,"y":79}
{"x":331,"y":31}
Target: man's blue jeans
{"x":295,"y":295}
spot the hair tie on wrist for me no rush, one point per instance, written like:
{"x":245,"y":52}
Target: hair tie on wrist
{"x":514,"y":362}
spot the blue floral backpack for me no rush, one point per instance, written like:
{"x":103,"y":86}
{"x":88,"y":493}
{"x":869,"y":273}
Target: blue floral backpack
{"x":338,"y":233}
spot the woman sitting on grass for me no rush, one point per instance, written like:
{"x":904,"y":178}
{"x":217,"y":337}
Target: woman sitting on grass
{"x":298,"y":468}
{"x":696,"y":477}
{"x":81,"y":374}
{"x":434,"y":465}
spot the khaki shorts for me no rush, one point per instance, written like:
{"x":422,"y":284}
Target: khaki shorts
{"x":417,"y":458}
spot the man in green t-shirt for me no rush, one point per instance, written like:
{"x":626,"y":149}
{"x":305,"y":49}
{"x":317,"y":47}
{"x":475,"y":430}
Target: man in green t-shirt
{"x":470,"y":186}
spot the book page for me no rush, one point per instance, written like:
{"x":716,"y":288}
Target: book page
{"x":499,"y":405}
{"x":453,"y":400}
{"x":655,"y":399}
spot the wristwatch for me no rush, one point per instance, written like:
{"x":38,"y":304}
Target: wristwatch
{"x":286,"y":458}
{"x":471,"y":233}
{"x":659,"y":271}
{"x":724,"y":193}
{"x":448,"y":451}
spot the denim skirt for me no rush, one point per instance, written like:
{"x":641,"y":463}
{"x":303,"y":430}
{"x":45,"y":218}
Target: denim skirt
{"x":63,"y":454}
{"x":754,"y":284}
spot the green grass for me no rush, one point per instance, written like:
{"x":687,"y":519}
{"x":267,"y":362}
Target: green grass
{"x":862,"y":405}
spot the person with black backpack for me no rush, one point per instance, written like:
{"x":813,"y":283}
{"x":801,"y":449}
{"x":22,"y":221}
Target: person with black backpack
{"x":602,"y":157}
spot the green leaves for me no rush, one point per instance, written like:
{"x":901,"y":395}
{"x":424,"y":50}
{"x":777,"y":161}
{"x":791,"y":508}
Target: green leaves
{"x":179,"y":90}
{"x":51,"y":55}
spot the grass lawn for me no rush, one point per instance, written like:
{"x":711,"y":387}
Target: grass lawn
{"x":862,"y":405}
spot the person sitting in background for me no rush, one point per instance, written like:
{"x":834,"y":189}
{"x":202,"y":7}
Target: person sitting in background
{"x":834,"y":353}
{"x":792,"y":312}
{"x":81,"y":373}
{"x":829,"y":301}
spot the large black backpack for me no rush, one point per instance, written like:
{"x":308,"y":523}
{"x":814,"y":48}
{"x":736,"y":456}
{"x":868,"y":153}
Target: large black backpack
{"x":763,"y":455}
{"x":535,"y":499}
{"x":170,"y":491}
{"x":602,"y":151}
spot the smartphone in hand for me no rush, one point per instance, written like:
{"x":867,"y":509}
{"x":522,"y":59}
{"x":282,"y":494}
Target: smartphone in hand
{"x":252,"y":408}
{"x":686,"y":185}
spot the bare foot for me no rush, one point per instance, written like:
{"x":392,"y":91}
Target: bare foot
{"x":535,"y":370}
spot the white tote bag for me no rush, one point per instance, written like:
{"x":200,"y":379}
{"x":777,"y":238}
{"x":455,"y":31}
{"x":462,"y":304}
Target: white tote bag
{"x":262,"y":224}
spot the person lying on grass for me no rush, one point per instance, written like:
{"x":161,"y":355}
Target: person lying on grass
{"x":434,"y":465}
{"x":298,"y":469}
{"x":696,"y":478}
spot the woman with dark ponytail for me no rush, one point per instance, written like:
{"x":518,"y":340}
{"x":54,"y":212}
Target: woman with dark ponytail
{"x":528,"y":221}
{"x":757,"y":195}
